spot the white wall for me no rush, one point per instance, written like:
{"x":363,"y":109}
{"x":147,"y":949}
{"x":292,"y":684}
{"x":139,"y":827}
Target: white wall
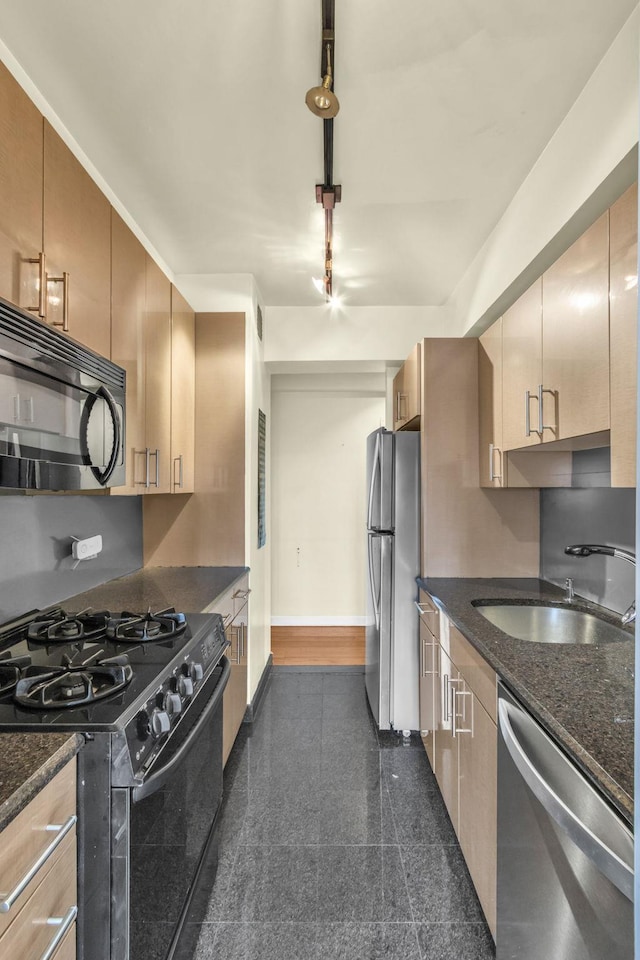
{"x":343,"y":334}
{"x":318,"y":477}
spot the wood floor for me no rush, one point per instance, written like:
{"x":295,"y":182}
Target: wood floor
{"x":317,"y":646}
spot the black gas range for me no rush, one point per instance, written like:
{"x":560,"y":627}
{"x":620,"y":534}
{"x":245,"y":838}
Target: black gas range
{"x":145,"y":691}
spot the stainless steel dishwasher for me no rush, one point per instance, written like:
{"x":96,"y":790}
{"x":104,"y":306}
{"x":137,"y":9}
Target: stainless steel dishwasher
{"x":565,"y":858}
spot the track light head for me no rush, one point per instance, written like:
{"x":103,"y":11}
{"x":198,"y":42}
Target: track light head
{"x":321,"y":100}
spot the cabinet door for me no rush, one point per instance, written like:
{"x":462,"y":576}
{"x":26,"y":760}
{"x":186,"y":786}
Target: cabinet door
{"x":490,"y":405}
{"x":127,"y":335}
{"x":157,"y":336}
{"x":575,"y":311}
{"x":77,"y":244}
{"x":623,"y":318}
{"x":407,"y":393}
{"x":20,"y":194}
{"x":445,"y":743}
{"x":183,"y":386}
{"x":478,"y":778}
{"x":522,"y":369}
{"x":427,"y":688}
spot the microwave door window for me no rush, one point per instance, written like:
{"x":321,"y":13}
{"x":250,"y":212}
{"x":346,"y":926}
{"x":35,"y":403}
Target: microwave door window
{"x":42,"y":418}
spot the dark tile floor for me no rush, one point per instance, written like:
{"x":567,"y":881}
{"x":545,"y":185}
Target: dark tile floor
{"x":334,"y":841}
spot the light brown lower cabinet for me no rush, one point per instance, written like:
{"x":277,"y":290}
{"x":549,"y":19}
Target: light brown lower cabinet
{"x":234,"y":609}
{"x":463,"y":750}
{"x":445,"y":739}
{"x":429,"y":632}
{"x":46,"y":908}
{"x":477,"y":796}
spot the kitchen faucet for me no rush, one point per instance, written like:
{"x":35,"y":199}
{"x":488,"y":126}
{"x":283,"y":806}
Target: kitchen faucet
{"x":586,"y":549}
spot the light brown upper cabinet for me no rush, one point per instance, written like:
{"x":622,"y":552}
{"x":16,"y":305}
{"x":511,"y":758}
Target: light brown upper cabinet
{"x":157,"y":470}
{"x":20,"y":194}
{"x":522,"y":370}
{"x":128,"y":267}
{"x":490,"y":406}
{"x":555,"y":348}
{"x":183,"y":375}
{"x":575,"y":336}
{"x":623,"y":318}
{"x":407,"y":393}
{"x":77,"y":246}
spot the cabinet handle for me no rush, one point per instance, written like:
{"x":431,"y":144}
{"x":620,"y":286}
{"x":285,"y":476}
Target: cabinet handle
{"x":425,"y":612}
{"x":64,"y":280}
{"x":238,"y":656}
{"x":527,"y":412}
{"x":9,"y":899}
{"x":63,"y":923}
{"x":180,"y":483}
{"x":464,"y":729}
{"x":542,"y":426}
{"x":493,"y":476}
{"x":241,"y":594}
{"x":423,"y":667}
{"x":154,"y":453}
{"x":41,"y":308}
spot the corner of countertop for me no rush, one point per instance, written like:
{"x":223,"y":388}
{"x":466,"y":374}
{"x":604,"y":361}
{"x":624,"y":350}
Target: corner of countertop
{"x":28,"y":761}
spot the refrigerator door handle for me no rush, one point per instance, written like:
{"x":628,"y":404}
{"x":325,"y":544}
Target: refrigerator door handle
{"x":375,"y":470}
{"x":372,"y":585}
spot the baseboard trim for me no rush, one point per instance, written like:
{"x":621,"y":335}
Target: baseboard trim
{"x":309,"y":621}
{"x":253,"y":708}
{"x":318,"y":669}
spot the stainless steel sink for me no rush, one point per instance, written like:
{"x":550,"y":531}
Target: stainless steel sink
{"x":545,"y":624}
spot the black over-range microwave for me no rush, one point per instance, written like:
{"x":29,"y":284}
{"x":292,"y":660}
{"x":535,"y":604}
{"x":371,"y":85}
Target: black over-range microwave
{"x":62,"y":409}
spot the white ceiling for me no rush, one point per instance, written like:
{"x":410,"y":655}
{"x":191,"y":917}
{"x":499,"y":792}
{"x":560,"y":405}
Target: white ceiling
{"x":193,"y":113}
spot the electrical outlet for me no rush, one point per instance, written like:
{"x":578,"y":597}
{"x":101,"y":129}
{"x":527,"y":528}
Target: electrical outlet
{"x":86,"y":549}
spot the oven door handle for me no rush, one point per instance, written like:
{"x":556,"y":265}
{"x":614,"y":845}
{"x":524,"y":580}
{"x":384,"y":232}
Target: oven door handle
{"x":158,"y":778}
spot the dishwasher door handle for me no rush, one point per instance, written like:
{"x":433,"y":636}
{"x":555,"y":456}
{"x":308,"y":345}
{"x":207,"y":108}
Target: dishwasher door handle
{"x":604,"y":859}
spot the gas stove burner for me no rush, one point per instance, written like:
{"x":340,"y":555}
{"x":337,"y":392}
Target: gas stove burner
{"x":132,"y":628}
{"x":56,"y":688}
{"x":59,"y":627}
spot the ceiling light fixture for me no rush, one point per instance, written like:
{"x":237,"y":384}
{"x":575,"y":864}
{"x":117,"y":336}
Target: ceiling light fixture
{"x":322,"y":101}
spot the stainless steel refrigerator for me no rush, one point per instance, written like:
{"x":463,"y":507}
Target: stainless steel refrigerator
{"x":393,"y":551}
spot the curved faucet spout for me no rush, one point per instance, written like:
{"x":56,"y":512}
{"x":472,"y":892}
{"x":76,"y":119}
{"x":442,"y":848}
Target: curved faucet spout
{"x":586,"y":549}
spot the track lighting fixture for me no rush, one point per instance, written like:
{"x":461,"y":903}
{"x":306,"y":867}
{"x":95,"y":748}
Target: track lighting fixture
{"x":321,"y":100}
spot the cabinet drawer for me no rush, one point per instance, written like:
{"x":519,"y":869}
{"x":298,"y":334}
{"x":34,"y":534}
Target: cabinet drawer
{"x":429,"y":614}
{"x":26,"y":838}
{"x":476,"y":671}
{"x":52,"y":903}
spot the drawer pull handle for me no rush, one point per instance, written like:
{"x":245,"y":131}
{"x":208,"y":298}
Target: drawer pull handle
{"x":424,"y":611}
{"x":241,"y":594}
{"x":8,"y":901}
{"x":63,"y":923}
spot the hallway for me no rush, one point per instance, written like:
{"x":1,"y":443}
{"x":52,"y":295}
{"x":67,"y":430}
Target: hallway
{"x":334,"y":842}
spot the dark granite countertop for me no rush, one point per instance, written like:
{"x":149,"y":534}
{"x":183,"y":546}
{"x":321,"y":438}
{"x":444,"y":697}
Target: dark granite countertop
{"x":188,"y":589}
{"x":27,"y":762}
{"x":582,"y":693}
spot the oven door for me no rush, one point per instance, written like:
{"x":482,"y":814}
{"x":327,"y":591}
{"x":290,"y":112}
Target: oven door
{"x":172,"y":818}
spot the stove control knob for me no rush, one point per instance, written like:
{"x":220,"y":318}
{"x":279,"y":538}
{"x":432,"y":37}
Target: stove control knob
{"x":185,"y":686}
{"x":173,"y":703}
{"x":143,"y":724}
{"x":196,"y":671}
{"x":160,"y":722}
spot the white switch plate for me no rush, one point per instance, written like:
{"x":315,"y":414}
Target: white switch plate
{"x":86,"y":549}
